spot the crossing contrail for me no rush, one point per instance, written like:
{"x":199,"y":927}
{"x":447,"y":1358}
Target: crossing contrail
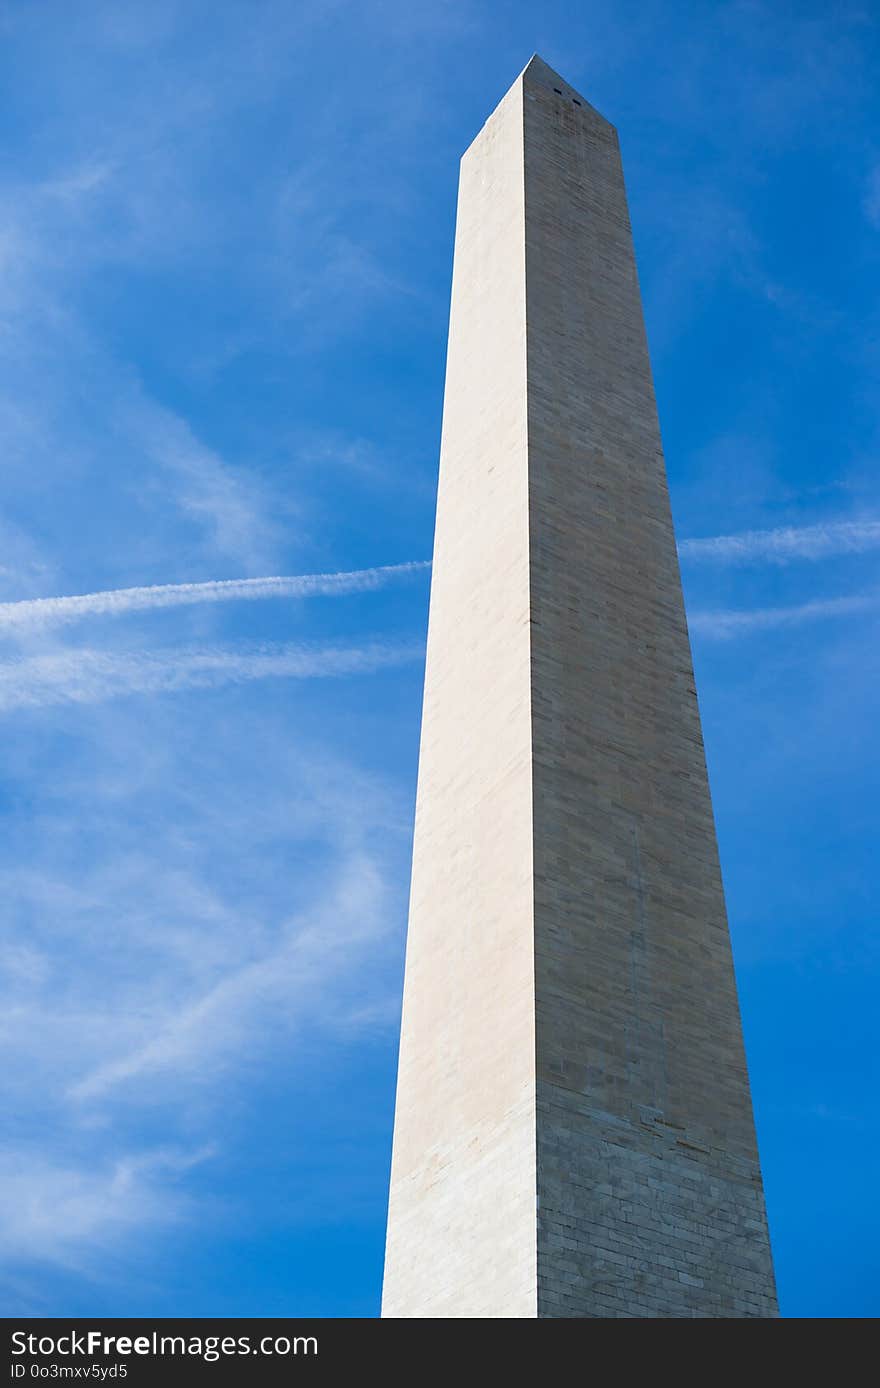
{"x":33,"y":612}
{"x":785,"y":544}
{"x":93,"y":676}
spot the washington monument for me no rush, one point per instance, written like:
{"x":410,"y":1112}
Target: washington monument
{"x":573,"y":1133}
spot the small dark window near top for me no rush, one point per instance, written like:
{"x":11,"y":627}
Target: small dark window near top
{"x":557,"y":91}
{"x":575,"y":100}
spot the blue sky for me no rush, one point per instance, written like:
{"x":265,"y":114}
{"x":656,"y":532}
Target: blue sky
{"x":225,"y":252}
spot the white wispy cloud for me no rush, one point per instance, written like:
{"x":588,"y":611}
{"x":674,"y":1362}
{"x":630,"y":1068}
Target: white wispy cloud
{"x":785,"y":544}
{"x":90,"y":676}
{"x":724,"y":624}
{"x":202,"y":899}
{"x":228,"y":504}
{"x":306,"y":955}
{"x":119,"y":601}
{"x":57,"y":1212}
{"x":214,"y":904}
{"x":77,"y":182}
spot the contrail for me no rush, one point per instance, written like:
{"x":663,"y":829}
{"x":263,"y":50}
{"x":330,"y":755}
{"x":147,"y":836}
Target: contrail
{"x":92,"y":676}
{"x":785,"y":544}
{"x":726,"y":624}
{"x":31,"y":612}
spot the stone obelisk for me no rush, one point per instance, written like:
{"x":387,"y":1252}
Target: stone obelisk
{"x":573,"y":1134}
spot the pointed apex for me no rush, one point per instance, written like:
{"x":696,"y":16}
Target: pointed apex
{"x":537,"y":73}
